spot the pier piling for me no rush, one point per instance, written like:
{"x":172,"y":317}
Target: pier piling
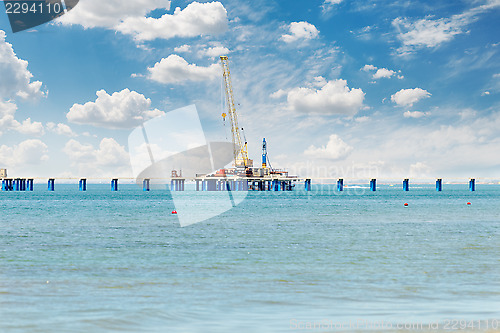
{"x":145,"y":185}
{"x":472,"y":185}
{"x":406,"y":185}
{"x":340,"y":185}
{"x":373,"y":185}
{"x":308,"y":185}
{"x":51,"y":184}
{"x":439,"y":185}
{"x":82,"y":185}
{"x":114,"y":185}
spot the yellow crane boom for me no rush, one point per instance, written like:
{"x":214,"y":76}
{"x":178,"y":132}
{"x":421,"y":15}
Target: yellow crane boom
{"x":240,"y":148}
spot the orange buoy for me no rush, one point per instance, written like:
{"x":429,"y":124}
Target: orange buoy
{"x":174,"y":212}
{"x":406,"y":204}
{"x":469,"y":204}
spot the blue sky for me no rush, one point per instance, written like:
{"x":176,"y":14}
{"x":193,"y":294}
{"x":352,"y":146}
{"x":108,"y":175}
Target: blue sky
{"x":339,"y":88}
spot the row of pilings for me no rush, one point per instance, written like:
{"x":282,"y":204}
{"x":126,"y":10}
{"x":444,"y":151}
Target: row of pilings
{"x":209,"y":185}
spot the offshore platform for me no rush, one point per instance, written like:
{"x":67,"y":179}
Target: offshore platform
{"x":243,"y":176}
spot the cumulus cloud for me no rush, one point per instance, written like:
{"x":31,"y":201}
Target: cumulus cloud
{"x":16,"y":78}
{"x":368,"y":68}
{"x":175,"y":69}
{"x":196,"y":19}
{"x":109,"y":157}
{"x":335,"y":149}
{"x":383,"y":73}
{"x":408,"y":97}
{"x":30,"y":128}
{"x":108,"y":14}
{"x":60,"y":129}
{"x":8,"y":122}
{"x":415,"y":114}
{"x":335,"y":97}
{"x":380,"y":72}
{"x":183,"y":48}
{"x":300,"y":31}
{"x":430,"y":33}
{"x":124,"y":109}
{"x":214,"y":52}
{"x":31,"y":152}
{"x":278,"y":94}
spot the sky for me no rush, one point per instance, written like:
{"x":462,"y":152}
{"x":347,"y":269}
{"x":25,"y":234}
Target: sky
{"x":339,"y":88}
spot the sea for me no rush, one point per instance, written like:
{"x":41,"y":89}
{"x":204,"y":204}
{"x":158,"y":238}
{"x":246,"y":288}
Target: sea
{"x":319,"y":261}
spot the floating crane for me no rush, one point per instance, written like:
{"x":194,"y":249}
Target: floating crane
{"x":240,"y":150}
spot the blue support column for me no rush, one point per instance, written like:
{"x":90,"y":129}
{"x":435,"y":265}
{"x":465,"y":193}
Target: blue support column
{"x":308,"y":185}
{"x":114,"y":185}
{"x":439,"y":185}
{"x":29,"y":185}
{"x":145,"y":185}
{"x":23,"y":185}
{"x":472,"y":185}
{"x":51,"y":184}
{"x":340,"y":185}
{"x":373,"y":185}
{"x":406,"y":185}
{"x":17,"y":184}
{"x":4,"y":185}
{"x":82,"y":185}
{"x":10,"y":184}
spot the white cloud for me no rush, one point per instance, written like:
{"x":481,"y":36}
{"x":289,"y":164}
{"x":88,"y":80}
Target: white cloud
{"x":108,"y":14}
{"x":16,"y":78}
{"x":380,"y":72}
{"x":368,"y":68}
{"x":214,"y":52}
{"x":432,"y":33}
{"x":300,"y":31}
{"x":383,"y":73}
{"x":196,"y":19}
{"x":334,"y":97}
{"x":175,"y":69}
{"x":408,"y":97}
{"x":60,"y":129}
{"x":278,"y":94}
{"x":363,"y":119}
{"x":328,"y":4}
{"x":124,"y":109}
{"x":31,"y":152}
{"x":415,"y":114}
{"x":335,"y":149}
{"x":183,"y":48}
{"x":8,"y":122}
{"x":29,"y":128}
{"x":109,"y":158}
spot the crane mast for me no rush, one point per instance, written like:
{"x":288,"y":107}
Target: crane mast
{"x":240,"y":151}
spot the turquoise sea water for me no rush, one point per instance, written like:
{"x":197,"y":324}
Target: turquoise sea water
{"x":99,"y":261}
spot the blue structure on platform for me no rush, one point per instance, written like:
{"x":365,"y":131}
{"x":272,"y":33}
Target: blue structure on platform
{"x":82,"y":185}
{"x":50,"y":184}
{"x":472,"y":185}
{"x":114,"y":185}
{"x":406,"y":185}
{"x":373,"y":185}
{"x":340,"y":185}
{"x":439,"y":185}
